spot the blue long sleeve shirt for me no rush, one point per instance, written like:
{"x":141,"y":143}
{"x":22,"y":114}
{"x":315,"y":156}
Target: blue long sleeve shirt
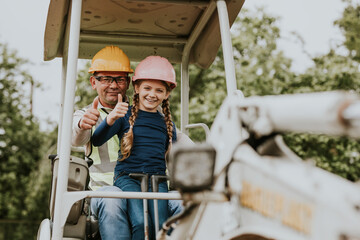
{"x":150,"y":142}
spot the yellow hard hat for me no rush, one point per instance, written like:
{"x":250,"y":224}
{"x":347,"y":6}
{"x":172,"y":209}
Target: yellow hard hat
{"x":110,"y":59}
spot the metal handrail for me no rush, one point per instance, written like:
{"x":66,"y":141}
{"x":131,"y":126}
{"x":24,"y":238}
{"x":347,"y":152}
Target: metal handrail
{"x":202,"y":125}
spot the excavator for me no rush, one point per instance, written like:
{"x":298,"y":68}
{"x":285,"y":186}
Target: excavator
{"x":243,"y":182}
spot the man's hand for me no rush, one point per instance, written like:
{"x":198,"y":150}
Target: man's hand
{"x":119,"y":111}
{"x":91,"y":116}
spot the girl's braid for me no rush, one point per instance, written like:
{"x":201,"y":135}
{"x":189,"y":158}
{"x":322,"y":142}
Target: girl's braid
{"x":128,"y":138}
{"x":168,"y":122}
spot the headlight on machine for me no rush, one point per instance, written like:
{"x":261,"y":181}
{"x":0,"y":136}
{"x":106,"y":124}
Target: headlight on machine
{"x":192,"y":167}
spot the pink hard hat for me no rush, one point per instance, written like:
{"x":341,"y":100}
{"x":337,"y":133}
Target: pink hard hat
{"x":156,"y":68}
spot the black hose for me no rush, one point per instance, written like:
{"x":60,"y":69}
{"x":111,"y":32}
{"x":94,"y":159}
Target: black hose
{"x":187,"y":210}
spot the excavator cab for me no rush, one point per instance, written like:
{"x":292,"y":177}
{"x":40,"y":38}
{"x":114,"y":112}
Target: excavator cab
{"x":183,"y":31}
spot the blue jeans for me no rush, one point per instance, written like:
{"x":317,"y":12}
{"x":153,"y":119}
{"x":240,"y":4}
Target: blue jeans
{"x":175,"y":207}
{"x":112,"y":216}
{"x":135,"y":207}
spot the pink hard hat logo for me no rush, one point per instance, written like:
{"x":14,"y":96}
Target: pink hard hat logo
{"x":156,"y":68}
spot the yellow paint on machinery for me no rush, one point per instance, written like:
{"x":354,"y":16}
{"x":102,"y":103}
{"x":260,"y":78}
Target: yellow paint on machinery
{"x":290,"y":212}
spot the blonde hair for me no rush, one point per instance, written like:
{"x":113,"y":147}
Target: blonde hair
{"x":128,"y":139}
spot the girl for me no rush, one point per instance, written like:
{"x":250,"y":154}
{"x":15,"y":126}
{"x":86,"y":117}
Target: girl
{"x":146,"y":135}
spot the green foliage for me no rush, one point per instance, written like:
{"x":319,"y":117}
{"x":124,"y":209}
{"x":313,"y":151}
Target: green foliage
{"x":262,"y":69}
{"x":84,"y":94}
{"x":22,"y":144}
{"x":330,"y":72}
{"x":334,"y":154}
{"x":349,"y":23}
{"x":337,"y":155}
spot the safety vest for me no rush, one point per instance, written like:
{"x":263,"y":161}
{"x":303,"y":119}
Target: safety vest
{"x":104,"y":157}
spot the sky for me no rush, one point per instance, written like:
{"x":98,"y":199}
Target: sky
{"x":22,"y":25}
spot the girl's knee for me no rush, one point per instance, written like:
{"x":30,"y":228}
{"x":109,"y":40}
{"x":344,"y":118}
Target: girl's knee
{"x":138,"y":224}
{"x":114,"y":205}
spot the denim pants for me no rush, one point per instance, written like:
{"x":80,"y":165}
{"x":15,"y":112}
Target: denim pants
{"x":135,"y":207}
{"x":175,"y":207}
{"x":112,"y":216}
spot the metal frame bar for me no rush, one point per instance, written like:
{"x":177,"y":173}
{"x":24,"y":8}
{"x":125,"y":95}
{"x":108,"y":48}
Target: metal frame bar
{"x":180,"y":2}
{"x":200,"y":125}
{"x":65,"y":148}
{"x":62,"y":97}
{"x":64,"y":200}
{"x":121,"y":38}
{"x":227,"y":47}
{"x":184,"y":118}
{"x":156,"y":216}
{"x":184,"y":107}
{"x":72,"y":197}
{"x":196,"y":221}
{"x":231,"y":83}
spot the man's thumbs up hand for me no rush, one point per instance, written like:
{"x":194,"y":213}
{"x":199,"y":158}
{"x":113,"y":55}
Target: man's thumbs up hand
{"x":91,"y":116}
{"x":95,"y":103}
{"x":119,"y":111}
{"x":120,"y":98}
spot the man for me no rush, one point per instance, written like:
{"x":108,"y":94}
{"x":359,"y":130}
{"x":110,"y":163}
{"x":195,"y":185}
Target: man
{"x":110,"y":68}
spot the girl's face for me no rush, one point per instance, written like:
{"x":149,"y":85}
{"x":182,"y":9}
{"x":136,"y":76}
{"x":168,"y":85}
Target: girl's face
{"x":151,"y":94}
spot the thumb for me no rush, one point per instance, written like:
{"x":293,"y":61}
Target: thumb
{"x":95,"y":103}
{"x":120,"y":99}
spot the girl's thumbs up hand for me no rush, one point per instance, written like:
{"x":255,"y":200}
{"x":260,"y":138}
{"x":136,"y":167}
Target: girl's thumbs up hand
{"x":119,"y":111}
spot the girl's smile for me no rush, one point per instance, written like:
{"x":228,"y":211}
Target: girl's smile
{"x":151,"y":94}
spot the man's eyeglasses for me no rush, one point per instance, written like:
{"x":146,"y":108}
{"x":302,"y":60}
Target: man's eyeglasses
{"x":107,"y":80}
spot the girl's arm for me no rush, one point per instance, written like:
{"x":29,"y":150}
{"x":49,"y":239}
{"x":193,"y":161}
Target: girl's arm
{"x":119,"y":111}
{"x":111,"y":124}
{"x":104,"y":132}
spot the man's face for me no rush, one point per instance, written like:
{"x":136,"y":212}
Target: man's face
{"x":108,"y":91}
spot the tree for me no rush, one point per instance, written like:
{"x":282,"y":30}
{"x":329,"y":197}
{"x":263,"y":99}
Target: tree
{"x":337,"y":155}
{"x":349,"y":23}
{"x":22,"y":143}
{"x":262,"y":69}
{"x":271,"y":74}
{"x":84,"y":94}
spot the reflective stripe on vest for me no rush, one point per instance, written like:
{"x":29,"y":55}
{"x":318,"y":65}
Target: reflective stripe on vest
{"x":104,"y":157}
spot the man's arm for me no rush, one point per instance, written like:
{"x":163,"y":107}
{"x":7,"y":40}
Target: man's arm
{"x":80,"y":136}
{"x":83,"y":121}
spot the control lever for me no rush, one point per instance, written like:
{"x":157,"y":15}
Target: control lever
{"x":144,"y":178}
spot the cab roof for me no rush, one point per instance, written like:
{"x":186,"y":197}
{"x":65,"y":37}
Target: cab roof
{"x":141,"y":28}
